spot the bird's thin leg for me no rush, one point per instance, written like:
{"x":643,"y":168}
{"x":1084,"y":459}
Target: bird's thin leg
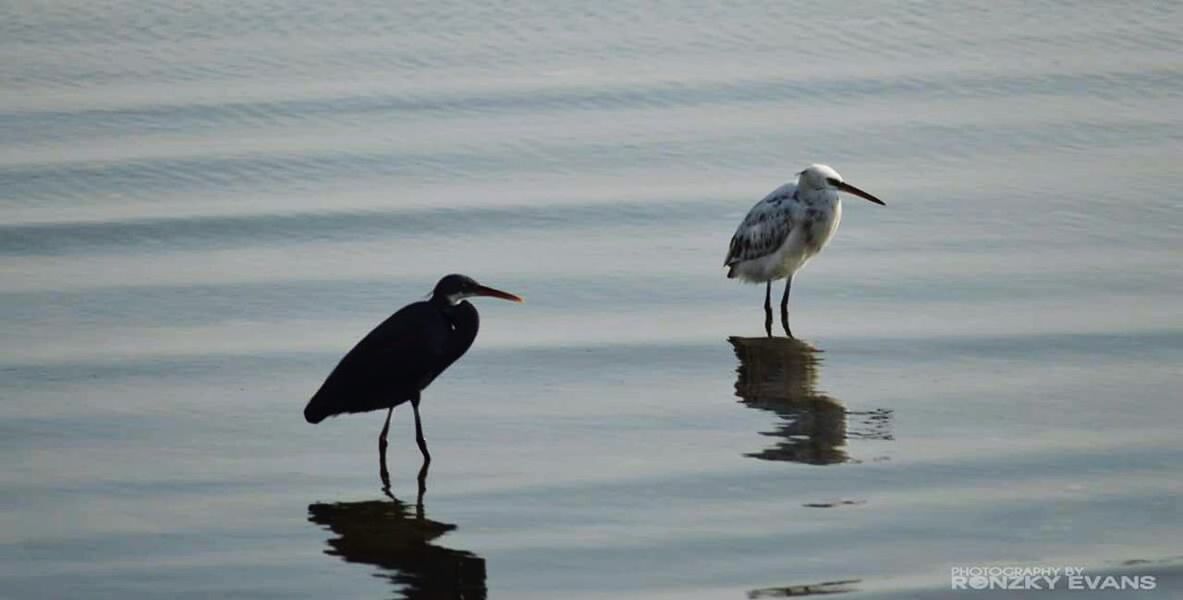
{"x":768,"y":309}
{"x":784,"y":306}
{"x":386,"y":492}
{"x":422,"y":486}
{"x":382,"y":472}
{"x":419,"y":433}
{"x":385,"y":430}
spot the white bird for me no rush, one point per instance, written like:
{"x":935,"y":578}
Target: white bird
{"x":786,"y":229}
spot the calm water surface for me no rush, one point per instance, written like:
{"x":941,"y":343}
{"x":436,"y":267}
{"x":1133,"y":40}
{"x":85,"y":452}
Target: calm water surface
{"x":202,"y":208}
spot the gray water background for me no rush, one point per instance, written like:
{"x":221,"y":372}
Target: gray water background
{"x":203,"y":206}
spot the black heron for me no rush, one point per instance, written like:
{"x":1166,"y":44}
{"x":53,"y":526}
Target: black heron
{"x":396,"y":361}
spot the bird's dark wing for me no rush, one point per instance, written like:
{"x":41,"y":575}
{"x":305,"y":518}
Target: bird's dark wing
{"x":387,"y":367}
{"x":764,"y":228}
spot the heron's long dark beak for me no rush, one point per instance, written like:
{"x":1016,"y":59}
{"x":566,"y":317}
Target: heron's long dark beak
{"x":492,"y":293}
{"x":850,"y":189}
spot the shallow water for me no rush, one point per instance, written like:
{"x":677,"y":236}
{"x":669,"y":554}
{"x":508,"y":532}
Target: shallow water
{"x":202,"y":208}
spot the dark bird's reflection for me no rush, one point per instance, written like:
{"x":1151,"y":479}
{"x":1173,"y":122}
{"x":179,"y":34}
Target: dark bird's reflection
{"x":780,"y":375}
{"x":399,"y":538}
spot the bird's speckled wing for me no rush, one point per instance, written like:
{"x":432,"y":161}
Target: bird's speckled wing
{"x":765,"y":227}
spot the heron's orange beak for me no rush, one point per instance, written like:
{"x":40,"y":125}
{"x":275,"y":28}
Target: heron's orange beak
{"x":850,"y":189}
{"x":492,"y":293}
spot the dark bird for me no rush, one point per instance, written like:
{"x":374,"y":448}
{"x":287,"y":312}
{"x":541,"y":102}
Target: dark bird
{"x":785,"y":230}
{"x":401,"y":357}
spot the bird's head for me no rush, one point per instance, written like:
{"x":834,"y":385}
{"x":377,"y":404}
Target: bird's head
{"x":454,"y":288}
{"x":824,"y":177}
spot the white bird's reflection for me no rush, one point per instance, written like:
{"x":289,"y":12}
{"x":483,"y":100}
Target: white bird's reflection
{"x":780,"y":375}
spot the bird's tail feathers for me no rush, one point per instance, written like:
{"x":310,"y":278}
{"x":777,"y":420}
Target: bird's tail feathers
{"x":331,"y":403}
{"x":316,"y":412}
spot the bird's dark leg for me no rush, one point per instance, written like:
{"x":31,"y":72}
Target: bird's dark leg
{"x":768,"y":308}
{"x":422,"y":485}
{"x":382,"y":472}
{"x":426,"y":455}
{"x":419,"y":433}
{"x":784,"y":306}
